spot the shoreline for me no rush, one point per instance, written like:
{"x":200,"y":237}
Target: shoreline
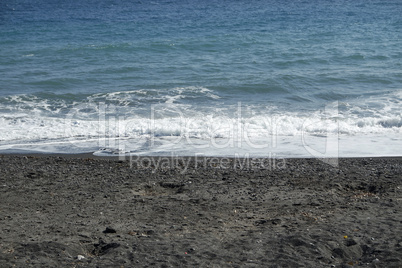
{"x":83,"y":210}
{"x":114,"y":157}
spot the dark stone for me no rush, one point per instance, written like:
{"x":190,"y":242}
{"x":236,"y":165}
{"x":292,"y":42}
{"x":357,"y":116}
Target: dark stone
{"x":150,"y":232}
{"x":102,"y":248}
{"x":171,"y":184}
{"x":109,"y":230}
{"x":338,"y":252}
{"x":350,"y":242}
{"x":296,"y":242}
{"x":264,"y":221}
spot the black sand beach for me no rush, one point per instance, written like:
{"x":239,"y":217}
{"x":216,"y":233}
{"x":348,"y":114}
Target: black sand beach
{"x":82,"y":211}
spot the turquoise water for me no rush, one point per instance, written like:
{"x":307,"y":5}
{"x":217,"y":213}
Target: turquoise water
{"x":210,"y":77}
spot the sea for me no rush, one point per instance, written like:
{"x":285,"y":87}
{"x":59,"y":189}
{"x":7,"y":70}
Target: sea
{"x":255,"y":78}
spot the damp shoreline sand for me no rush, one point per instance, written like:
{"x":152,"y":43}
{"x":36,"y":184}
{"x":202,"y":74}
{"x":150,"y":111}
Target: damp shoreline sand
{"x":86,"y":211}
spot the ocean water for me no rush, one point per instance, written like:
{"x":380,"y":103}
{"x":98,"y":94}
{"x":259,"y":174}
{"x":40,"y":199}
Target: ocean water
{"x":221,"y":78}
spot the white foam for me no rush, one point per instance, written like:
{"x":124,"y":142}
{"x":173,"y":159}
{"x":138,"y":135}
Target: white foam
{"x":169,"y":96}
{"x":361,"y":129}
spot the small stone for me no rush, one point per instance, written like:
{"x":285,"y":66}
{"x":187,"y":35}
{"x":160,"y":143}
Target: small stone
{"x":150,"y":232}
{"x":109,"y":230}
{"x":350,"y":242}
{"x":80,"y":257}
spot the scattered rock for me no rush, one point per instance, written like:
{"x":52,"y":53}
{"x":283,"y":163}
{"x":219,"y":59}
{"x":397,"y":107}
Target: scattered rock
{"x":80,"y":257}
{"x":166,"y":184}
{"x":102,"y":248}
{"x":350,"y":242}
{"x":268,"y":221}
{"x":109,"y":230}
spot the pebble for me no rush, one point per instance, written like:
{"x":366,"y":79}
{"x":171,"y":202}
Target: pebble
{"x":109,"y":230}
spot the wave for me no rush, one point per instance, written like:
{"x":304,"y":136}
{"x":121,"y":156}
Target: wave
{"x":166,"y":119}
{"x":191,"y":114}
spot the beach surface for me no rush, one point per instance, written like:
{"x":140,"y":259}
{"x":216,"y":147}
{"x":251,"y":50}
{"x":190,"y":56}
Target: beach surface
{"x":83,"y":211}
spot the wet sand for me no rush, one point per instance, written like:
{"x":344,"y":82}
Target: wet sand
{"x":83,"y":211}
